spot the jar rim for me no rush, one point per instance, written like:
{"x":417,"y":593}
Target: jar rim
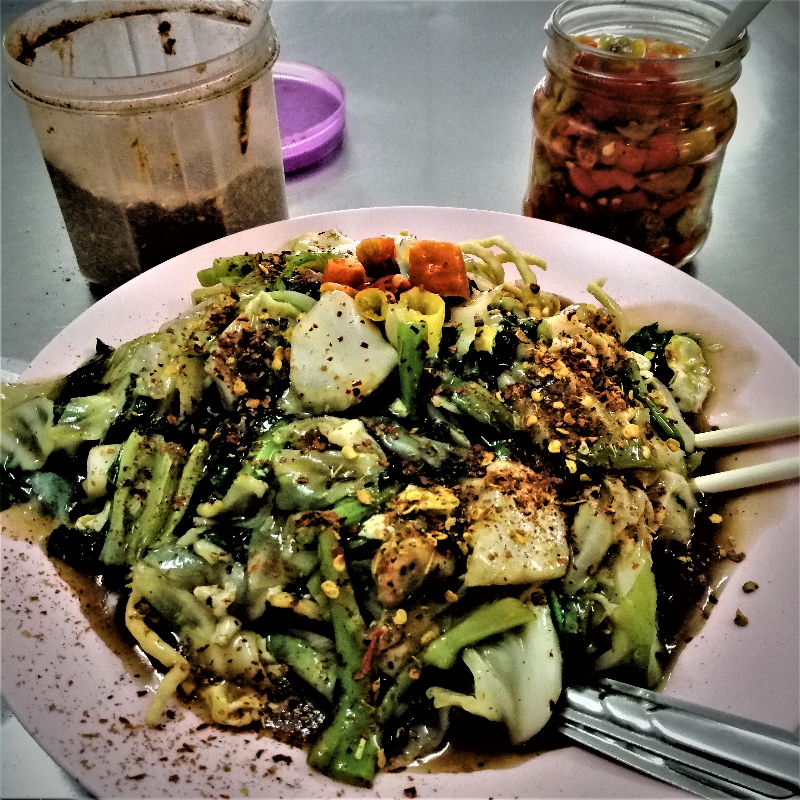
{"x":691,"y":62}
{"x":54,"y":20}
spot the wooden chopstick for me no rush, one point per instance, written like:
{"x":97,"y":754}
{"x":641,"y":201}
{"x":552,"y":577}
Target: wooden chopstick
{"x":745,"y":477}
{"x":747,"y":434}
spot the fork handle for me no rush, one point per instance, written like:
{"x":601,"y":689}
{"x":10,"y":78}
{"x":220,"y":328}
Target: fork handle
{"x":698,"y":749}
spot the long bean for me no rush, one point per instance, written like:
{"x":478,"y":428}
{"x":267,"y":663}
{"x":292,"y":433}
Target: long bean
{"x":412,"y":345}
{"x":348,"y":748}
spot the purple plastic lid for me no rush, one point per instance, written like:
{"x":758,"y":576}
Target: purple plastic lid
{"x":310,"y":113}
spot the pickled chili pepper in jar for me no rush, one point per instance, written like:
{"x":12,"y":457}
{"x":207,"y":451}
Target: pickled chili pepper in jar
{"x":631,"y":124}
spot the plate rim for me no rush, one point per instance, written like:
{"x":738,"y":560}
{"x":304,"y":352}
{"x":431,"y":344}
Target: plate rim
{"x":652,"y":262}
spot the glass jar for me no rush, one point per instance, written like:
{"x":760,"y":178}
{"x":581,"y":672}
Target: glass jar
{"x":628,"y":145}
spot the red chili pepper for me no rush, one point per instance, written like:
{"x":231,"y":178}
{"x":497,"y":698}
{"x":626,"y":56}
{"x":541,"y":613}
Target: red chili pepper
{"x":662,"y":152}
{"x":391,"y":284}
{"x":375,"y":636}
{"x":629,"y":201}
{"x":601,"y":108}
{"x":631,"y":158}
{"x":438,"y":267}
{"x":672,"y":207}
{"x":378,"y":255}
{"x":585,"y":60}
{"x":346,"y":271}
{"x":590,"y":182}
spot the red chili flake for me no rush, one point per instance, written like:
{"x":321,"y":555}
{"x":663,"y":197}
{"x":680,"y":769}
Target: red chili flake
{"x":375,"y":636}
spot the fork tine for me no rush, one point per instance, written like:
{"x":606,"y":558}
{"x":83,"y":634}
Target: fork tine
{"x":751,"y":785}
{"x":702,"y":750}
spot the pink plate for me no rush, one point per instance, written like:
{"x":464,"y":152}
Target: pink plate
{"x":86,"y":710}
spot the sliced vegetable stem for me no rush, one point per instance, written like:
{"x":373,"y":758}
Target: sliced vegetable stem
{"x":479,"y":403}
{"x":488,"y":620}
{"x":190,"y":476}
{"x":339,"y":752}
{"x":315,"y":667}
{"x":659,"y":420}
{"x":411,"y":349}
{"x":113,"y":551}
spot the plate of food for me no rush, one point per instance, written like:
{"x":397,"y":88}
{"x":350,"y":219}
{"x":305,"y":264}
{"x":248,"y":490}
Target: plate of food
{"x":339,"y":506}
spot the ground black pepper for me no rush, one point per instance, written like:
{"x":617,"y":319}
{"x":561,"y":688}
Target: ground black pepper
{"x":114,"y":242}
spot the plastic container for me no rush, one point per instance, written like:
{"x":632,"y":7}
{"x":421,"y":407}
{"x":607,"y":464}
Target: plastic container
{"x":157,"y":122}
{"x":630,"y":145}
{"x":310,"y":113}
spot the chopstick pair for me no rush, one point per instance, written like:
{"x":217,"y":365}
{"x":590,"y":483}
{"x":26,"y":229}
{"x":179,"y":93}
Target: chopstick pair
{"x":746,"y":477}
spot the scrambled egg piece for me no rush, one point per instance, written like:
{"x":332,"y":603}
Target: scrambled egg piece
{"x":436,"y":499}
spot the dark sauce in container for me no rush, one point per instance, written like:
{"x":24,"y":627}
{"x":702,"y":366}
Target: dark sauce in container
{"x":114,"y":241}
{"x":172,"y":143}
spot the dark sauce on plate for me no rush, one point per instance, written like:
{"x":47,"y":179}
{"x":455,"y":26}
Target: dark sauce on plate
{"x":101,"y":606}
{"x":475,"y":744}
{"x":689,"y":580}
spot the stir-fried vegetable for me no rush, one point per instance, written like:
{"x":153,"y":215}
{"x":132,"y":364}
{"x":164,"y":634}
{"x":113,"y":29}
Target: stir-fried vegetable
{"x":517,"y":679}
{"x":359,"y":489}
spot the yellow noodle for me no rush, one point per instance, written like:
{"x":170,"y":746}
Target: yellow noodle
{"x":155,"y":646}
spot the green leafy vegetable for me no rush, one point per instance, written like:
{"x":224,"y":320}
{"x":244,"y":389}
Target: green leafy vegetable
{"x":517,"y":679}
{"x":629,"y":589}
{"x":348,"y":748}
{"x":691,"y":381}
{"x":486,"y":621}
{"x":412,"y":346}
{"x":650,"y":341}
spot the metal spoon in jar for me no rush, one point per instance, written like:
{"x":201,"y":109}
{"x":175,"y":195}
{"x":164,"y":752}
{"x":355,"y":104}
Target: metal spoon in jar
{"x":740,"y":16}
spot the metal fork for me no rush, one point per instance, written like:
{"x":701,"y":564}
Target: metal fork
{"x":706,"y":752}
